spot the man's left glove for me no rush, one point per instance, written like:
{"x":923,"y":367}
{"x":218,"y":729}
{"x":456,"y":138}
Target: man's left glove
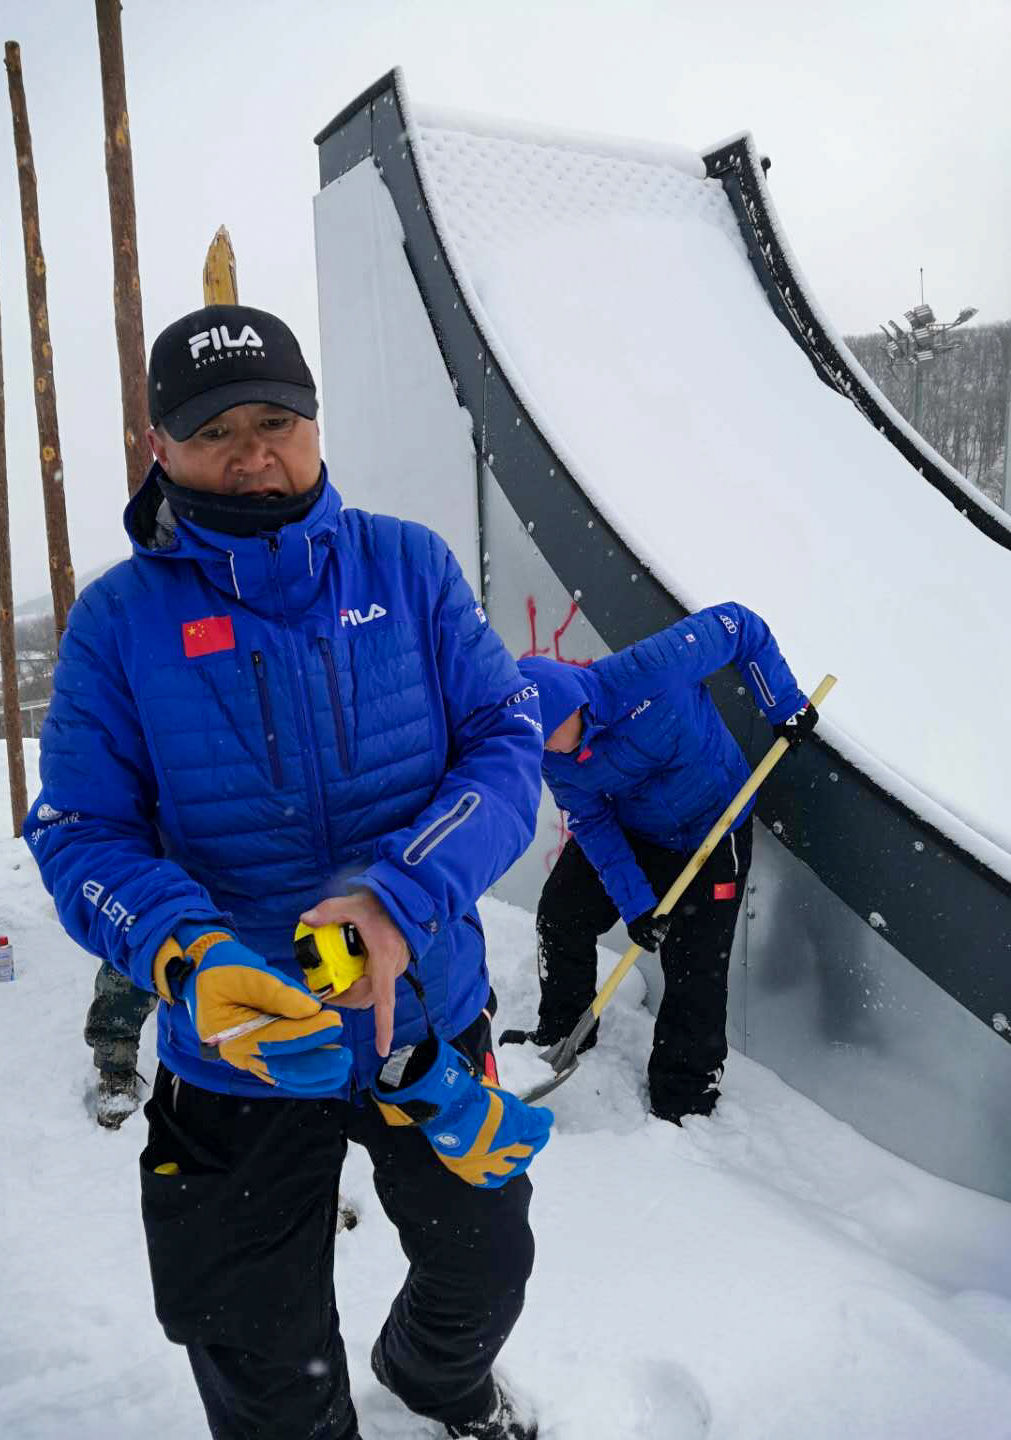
{"x":223,"y":985}
{"x":483,"y":1134}
{"x":798,"y":726}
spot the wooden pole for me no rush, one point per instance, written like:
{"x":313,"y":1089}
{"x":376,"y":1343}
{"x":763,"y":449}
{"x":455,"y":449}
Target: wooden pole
{"x":123,"y":217}
{"x":8,"y":645}
{"x":61,"y":571}
{"x":221,"y":286}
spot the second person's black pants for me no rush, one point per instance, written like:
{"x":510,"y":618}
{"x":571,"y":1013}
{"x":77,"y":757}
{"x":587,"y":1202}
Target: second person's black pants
{"x":690,"y":1038}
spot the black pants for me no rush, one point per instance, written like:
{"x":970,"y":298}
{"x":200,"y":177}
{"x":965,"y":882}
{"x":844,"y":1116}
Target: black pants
{"x":241,"y":1246}
{"x":690,"y":1038}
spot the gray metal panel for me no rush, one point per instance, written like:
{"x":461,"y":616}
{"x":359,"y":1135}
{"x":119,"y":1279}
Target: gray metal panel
{"x":396,"y":436}
{"x":841,"y":1015}
{"x":617,"y":592}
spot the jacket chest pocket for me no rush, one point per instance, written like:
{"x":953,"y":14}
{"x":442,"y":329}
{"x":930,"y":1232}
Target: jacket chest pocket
{"x":214,"y":724}
{"x":335,"y":693}
{"x":267,"y":718}
{"x":376,"y":695}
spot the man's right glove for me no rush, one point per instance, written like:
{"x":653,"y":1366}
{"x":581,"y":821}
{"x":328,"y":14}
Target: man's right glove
{"x":649,"y":931}
{"x":798,"y":725}
{"x":223,"y":985}
{"x":483,"y":1134}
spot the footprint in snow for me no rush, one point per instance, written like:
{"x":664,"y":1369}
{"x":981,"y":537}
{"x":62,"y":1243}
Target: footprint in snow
{"x":672,"y":1404}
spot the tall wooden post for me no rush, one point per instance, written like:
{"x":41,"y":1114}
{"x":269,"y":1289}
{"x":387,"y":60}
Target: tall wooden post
{"x":61,"y":571}
{"x":123,"y":216}
{"x":221,"y":285}
{"x":8,"y":646}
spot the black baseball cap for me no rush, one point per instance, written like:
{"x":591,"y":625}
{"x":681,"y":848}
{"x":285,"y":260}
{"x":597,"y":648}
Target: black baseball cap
{"x":220,"y":356}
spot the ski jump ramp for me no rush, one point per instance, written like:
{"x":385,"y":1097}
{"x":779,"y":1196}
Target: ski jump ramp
{"x":595,"y":367}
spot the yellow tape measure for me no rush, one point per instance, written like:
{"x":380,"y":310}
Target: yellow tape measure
{"x":332,"y":957}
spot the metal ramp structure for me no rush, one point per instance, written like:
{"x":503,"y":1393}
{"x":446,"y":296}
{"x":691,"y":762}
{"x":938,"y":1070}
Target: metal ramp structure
{"x":490,"y":368}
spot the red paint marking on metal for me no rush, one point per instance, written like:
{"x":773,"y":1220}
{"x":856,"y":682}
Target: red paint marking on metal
{"x":564,"y":835}
{"x":532,"y":621}
{"x":556,"y":638}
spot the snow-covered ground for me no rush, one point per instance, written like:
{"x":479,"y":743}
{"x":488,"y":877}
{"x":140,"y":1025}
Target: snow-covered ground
{"x":764,"y":1275}
{"x":617,"y":294}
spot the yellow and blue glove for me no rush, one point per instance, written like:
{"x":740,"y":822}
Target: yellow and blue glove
{"x":481,"y":1133}
{"x":225,"y":985}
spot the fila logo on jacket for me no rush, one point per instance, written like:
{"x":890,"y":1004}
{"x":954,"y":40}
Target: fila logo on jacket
{"x":356,"y":617}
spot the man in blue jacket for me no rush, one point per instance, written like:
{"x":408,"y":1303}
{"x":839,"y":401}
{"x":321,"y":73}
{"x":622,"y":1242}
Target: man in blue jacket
{"x":279,"y":708}
{"x":636,"y":754}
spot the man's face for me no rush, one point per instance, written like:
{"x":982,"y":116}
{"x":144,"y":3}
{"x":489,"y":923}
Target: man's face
{"x":568,"y":734}
{"x":258,"y":450}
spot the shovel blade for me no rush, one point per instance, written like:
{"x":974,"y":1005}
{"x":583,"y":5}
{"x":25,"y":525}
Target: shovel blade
{"x":545,"y":1088}
{"x":563,"y":1056}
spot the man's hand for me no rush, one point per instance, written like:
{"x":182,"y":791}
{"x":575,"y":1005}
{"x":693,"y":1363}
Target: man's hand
{"x":225,"y":986}
{"x":649,"y":931}
{"x":799,"y":725}
{"x":387,"y":956}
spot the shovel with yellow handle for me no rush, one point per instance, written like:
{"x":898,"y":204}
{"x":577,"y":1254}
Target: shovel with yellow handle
{"x":563,"y":1057}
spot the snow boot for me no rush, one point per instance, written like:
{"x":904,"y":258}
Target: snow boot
{"x":702,"y":1102}
{"x":118,"y":1097}
{"x":501,"y":1422}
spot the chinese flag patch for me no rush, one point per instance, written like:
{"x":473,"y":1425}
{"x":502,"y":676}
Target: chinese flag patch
{"x":726,"y":891}
{"x":204,"y":637}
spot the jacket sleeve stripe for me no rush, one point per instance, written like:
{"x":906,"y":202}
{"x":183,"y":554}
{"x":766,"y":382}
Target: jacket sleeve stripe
{"x":442,"y":828}
{"x":761,"y":683}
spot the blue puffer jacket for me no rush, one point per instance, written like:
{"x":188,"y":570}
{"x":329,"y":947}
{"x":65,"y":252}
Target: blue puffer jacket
{"x":241,"y":727}
{"x":656,"y":759}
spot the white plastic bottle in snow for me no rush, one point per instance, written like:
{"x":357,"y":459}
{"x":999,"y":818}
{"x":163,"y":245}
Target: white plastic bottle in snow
{"x":6,"y":959}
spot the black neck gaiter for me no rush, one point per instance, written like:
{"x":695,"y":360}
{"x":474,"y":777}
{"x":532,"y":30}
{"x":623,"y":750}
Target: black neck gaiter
{"x":241,"y":515}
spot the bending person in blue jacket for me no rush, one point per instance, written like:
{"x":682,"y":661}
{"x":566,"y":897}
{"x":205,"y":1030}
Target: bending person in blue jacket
{"x":279,"y":708}
{"x":637,"y":755}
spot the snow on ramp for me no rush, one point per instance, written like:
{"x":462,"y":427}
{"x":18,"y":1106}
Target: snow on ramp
{"x":621,"y":303}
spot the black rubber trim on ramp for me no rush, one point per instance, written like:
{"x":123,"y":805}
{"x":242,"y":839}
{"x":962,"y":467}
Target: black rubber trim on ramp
{"x":737,"y":166}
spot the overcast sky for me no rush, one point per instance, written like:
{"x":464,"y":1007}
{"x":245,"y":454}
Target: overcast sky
{"x":888,"y":123}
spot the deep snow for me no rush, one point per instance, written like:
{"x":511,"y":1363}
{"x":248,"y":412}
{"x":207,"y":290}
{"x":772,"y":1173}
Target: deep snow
{"x":765,"y":1275}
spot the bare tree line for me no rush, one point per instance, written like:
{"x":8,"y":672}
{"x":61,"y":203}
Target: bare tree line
{"x":35,"y":639}
{"x":965,"y":398}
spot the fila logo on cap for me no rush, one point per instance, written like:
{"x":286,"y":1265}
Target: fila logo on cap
{"x":218,"y":337}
